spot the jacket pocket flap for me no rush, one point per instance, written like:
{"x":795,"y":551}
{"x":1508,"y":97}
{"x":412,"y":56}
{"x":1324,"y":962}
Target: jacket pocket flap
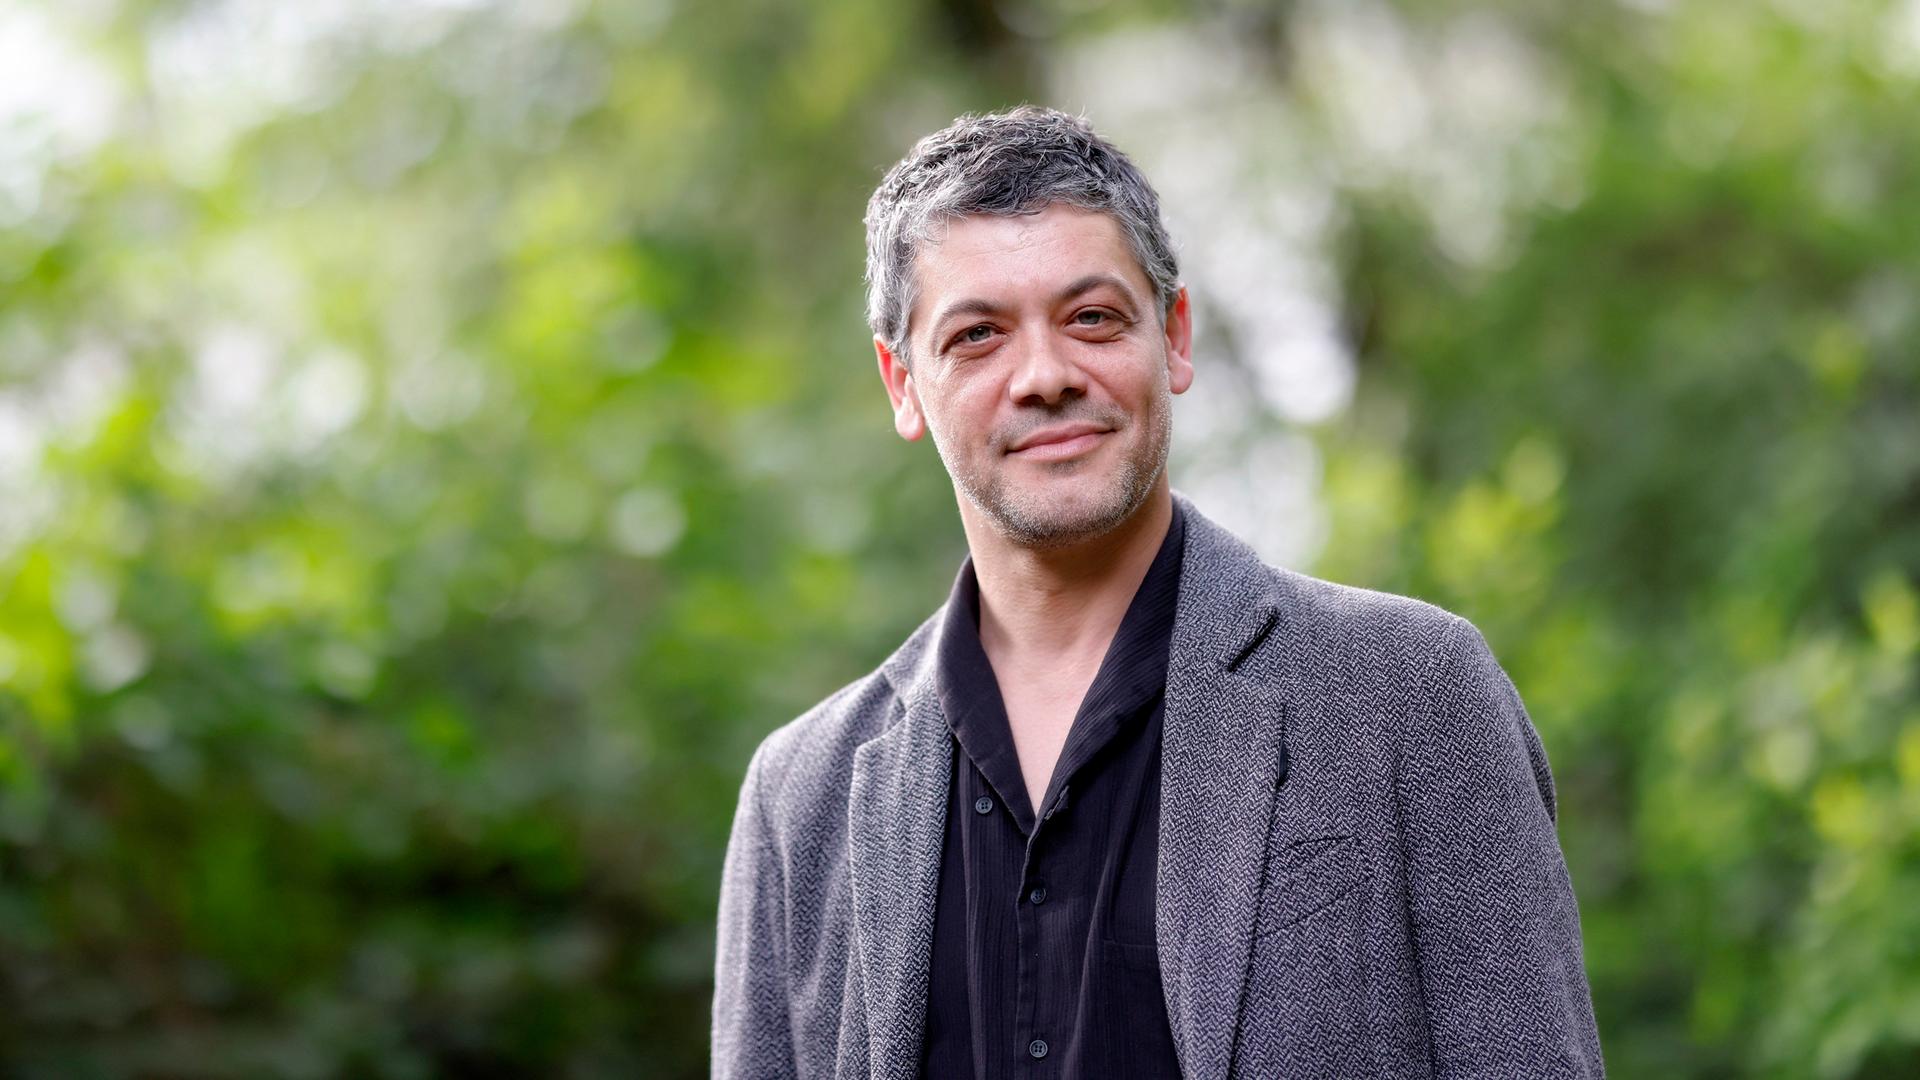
{"x":1307,"y":875}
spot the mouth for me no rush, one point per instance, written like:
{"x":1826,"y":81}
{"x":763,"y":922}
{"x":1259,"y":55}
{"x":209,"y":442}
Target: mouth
{"x":1057,"y":444}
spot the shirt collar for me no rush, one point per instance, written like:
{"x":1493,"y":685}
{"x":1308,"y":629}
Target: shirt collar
{"x":1132,"y":674}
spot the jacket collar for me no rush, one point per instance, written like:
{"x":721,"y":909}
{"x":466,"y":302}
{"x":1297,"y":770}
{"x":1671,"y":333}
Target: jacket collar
{"x":1222,"y":759}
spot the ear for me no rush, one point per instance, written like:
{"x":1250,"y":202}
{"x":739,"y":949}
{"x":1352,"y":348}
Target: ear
{"x":1180,"y":343}
{"x":907,"y":419}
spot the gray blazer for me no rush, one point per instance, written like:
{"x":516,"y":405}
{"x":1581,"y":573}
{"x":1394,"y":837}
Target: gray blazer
{"x":1358,"y":876}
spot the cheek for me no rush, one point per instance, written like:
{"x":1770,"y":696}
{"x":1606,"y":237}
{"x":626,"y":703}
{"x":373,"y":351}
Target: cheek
{"x":970,"y":405}
{"x":954,"y":416}
{"x":1131,"y":382}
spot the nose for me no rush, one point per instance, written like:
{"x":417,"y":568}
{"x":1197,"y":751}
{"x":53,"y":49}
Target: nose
{"x":1045,"y":374}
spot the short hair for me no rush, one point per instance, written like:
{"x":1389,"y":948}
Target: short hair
{"x":1019,"y":161}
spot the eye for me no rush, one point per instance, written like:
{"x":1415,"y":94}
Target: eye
{"x":1098,"y":317}
{"x":973,"y":335}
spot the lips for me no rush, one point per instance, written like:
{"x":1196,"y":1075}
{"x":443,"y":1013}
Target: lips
{"x":1059,"y":437}
{"x":1059,"y":443}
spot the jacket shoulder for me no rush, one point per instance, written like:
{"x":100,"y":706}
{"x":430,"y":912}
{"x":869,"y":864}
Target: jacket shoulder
{"x":1370,"y":620}
{"x":1418,"y":661}
{"x":811,"y":756}
{"x":1321,"y":620}
{"x":826,"y":734}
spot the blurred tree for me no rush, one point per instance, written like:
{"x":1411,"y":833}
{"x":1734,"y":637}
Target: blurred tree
{"x":1665,"y":449}
{"x":431,"y":471}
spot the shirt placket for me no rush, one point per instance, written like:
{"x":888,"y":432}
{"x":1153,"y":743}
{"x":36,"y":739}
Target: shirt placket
{"x":1042,"y":1026}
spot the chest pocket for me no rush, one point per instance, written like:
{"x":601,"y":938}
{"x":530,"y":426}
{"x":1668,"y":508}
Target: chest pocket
{"x":1307,"y":877}
{"x":1306,"y":1003}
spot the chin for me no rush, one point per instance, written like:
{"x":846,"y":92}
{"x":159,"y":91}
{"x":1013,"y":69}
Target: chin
{"x":1069,"y":511}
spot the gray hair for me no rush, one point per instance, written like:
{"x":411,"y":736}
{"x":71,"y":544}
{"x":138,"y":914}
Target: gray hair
{"x":1015,"y":162}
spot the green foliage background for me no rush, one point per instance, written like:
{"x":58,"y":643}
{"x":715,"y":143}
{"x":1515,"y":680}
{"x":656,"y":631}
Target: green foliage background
{"x":437,"y":441}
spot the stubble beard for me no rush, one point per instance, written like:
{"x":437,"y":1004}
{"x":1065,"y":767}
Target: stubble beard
{"x":1034,"y":519}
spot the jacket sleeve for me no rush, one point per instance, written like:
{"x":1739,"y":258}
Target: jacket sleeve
{"x":752,"y":1039}
{"x":1495,"y":923}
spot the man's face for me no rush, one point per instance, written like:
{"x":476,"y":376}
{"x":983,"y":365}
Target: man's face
{"x":1042,"y":370}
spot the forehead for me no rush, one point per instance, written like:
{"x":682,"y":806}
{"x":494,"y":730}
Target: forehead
{"x":1009,"y":259}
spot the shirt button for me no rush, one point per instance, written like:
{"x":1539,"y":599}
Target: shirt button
{"x":1038,"y":1048}
{"x":983,"y":805}
{"x":1038,"y":895}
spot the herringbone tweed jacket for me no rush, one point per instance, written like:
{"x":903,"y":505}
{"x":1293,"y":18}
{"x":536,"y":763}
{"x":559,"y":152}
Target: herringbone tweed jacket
{"x":1359,"y":875}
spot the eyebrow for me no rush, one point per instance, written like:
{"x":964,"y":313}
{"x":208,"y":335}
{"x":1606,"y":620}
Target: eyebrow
{"x":977,"y":306}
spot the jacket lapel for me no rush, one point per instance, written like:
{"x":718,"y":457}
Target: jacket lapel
{"x":1223,"y":756}
{"x":897,"y":820}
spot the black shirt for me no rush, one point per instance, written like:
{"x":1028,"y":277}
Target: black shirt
{"x":1044,"y":962}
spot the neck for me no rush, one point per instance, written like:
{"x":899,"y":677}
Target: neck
{"x":1040,"y":605}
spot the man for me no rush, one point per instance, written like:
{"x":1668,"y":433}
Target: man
{"x":1131,"y":803}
